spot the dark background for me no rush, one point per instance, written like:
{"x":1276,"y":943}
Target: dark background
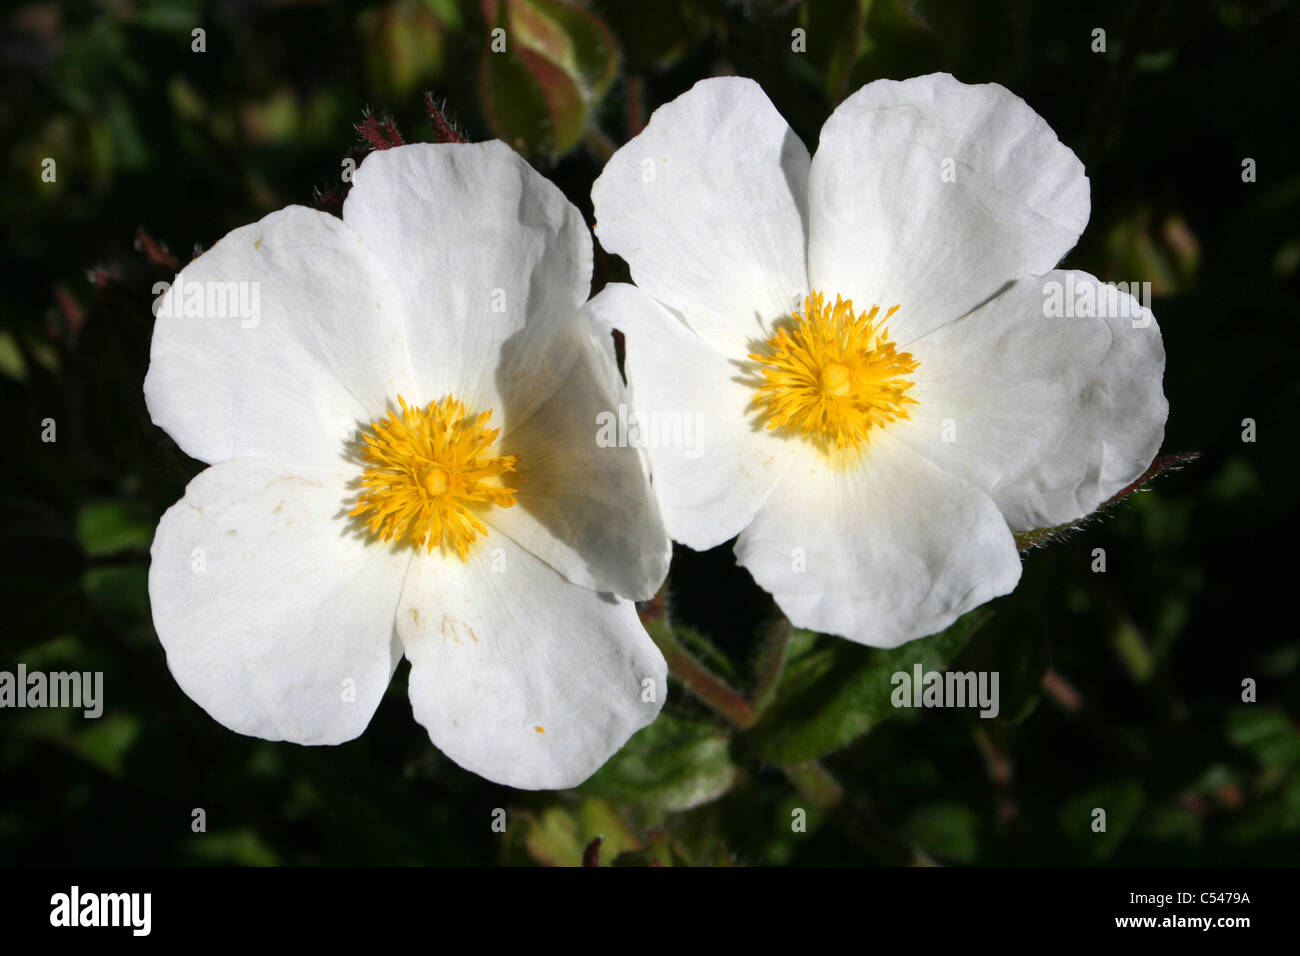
{"x":1120,"y":690}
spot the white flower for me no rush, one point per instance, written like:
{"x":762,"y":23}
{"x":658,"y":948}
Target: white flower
{"x":873,"y":459}
{"x":403,"y":460}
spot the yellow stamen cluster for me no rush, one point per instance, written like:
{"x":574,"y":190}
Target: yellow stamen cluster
{"x":428,"y":472}
{"x":832,"y":375}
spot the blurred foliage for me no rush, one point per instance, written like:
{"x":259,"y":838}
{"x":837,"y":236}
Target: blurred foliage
{"x":547,"y":67}
{"x":1121,"y":690}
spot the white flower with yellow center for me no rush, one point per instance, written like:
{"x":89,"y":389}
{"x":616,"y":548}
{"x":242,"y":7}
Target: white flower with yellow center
{"x":881,"y":378}
{"x":403,"y":458}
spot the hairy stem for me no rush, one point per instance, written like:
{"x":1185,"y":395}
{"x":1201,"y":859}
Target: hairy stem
{"x":771,"y":662}
{"x":699,"y":680}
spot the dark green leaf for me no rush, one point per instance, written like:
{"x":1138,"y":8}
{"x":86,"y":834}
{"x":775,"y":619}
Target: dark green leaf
{"x":1266,"y":733}
{"x":947,"y":830}
{"x":1121,"y":801}
{"x":838,"y":692}
{"x":674,"y":764}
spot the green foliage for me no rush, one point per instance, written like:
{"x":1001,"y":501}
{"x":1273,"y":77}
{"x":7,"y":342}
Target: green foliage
{"x":1080,"y":818}
{"x":545,"y":73}
{"x":104,"y":527}
{"x":560,"y":835}
{"x":1266,"y":734}
{"x":674,"y":764}
{"x":946,"y":830}
{"x":836,"y":691}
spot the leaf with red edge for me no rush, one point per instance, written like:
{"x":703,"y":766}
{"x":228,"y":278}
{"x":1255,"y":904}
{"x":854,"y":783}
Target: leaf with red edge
{"x":540,"y":91}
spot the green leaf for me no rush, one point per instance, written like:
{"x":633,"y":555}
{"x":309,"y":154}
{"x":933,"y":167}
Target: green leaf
{"x":540,"y":91}
{"x":558,"y":835}
{"x":241,"y":847}
{"x":600,"y":820}
{"x":107,"y":740}
{"x":945,"y":829}
{"x":402,"y":45}
{"x":515,"y":103}
{"x":169,"y":16}
{"x":1122,"y":802}
{"x":674,"y":764}
{"x":107,"y":526}
{"x":1266,"y":733}
{"x":103,"y":743}
{"x":590,"y":53}
{"x":836,"y":38}
{"x":658,"y":851}
{"x":836,"y":693}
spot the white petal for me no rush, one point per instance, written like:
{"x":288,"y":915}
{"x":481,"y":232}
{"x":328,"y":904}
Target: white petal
{"x":489,"y":260}
{"x":882,"y":553}
{"x":520,"y":676}
{"x":888,"y":227}
{"x":584,"y":507}
{"x":1049,"y":415}
{"x":276,"y":619}
{"x":708,"y":205}
{"x":289,"y":380}
{"x":711,"y":463}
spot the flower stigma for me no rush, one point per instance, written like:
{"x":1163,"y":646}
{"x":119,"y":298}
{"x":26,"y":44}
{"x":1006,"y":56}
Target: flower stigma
{"x":428,"y":476}
{"x":833,"y":375}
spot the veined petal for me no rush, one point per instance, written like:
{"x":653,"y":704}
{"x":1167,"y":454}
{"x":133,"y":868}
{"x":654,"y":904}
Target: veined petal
{"x":489,"y":260}
{"x":711,"y":462}
{"x":931,"y":194}
{"x":276,"y":619}
{"x":882,"y":553}
{"x":1048,"y":397}
{"x":275,"y":343}
{"x":520,"y":676}
{"x":708,"y":205}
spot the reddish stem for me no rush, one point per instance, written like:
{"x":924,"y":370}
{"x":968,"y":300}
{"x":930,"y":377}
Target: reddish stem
{"x":443,"y":130}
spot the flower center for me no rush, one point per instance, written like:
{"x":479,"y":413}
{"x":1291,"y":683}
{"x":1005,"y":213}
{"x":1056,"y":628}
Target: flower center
{"x":428,"y":474}
{"x":434,"y":481}
{"x":833,"y":375}
{"x":835,"y":380}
